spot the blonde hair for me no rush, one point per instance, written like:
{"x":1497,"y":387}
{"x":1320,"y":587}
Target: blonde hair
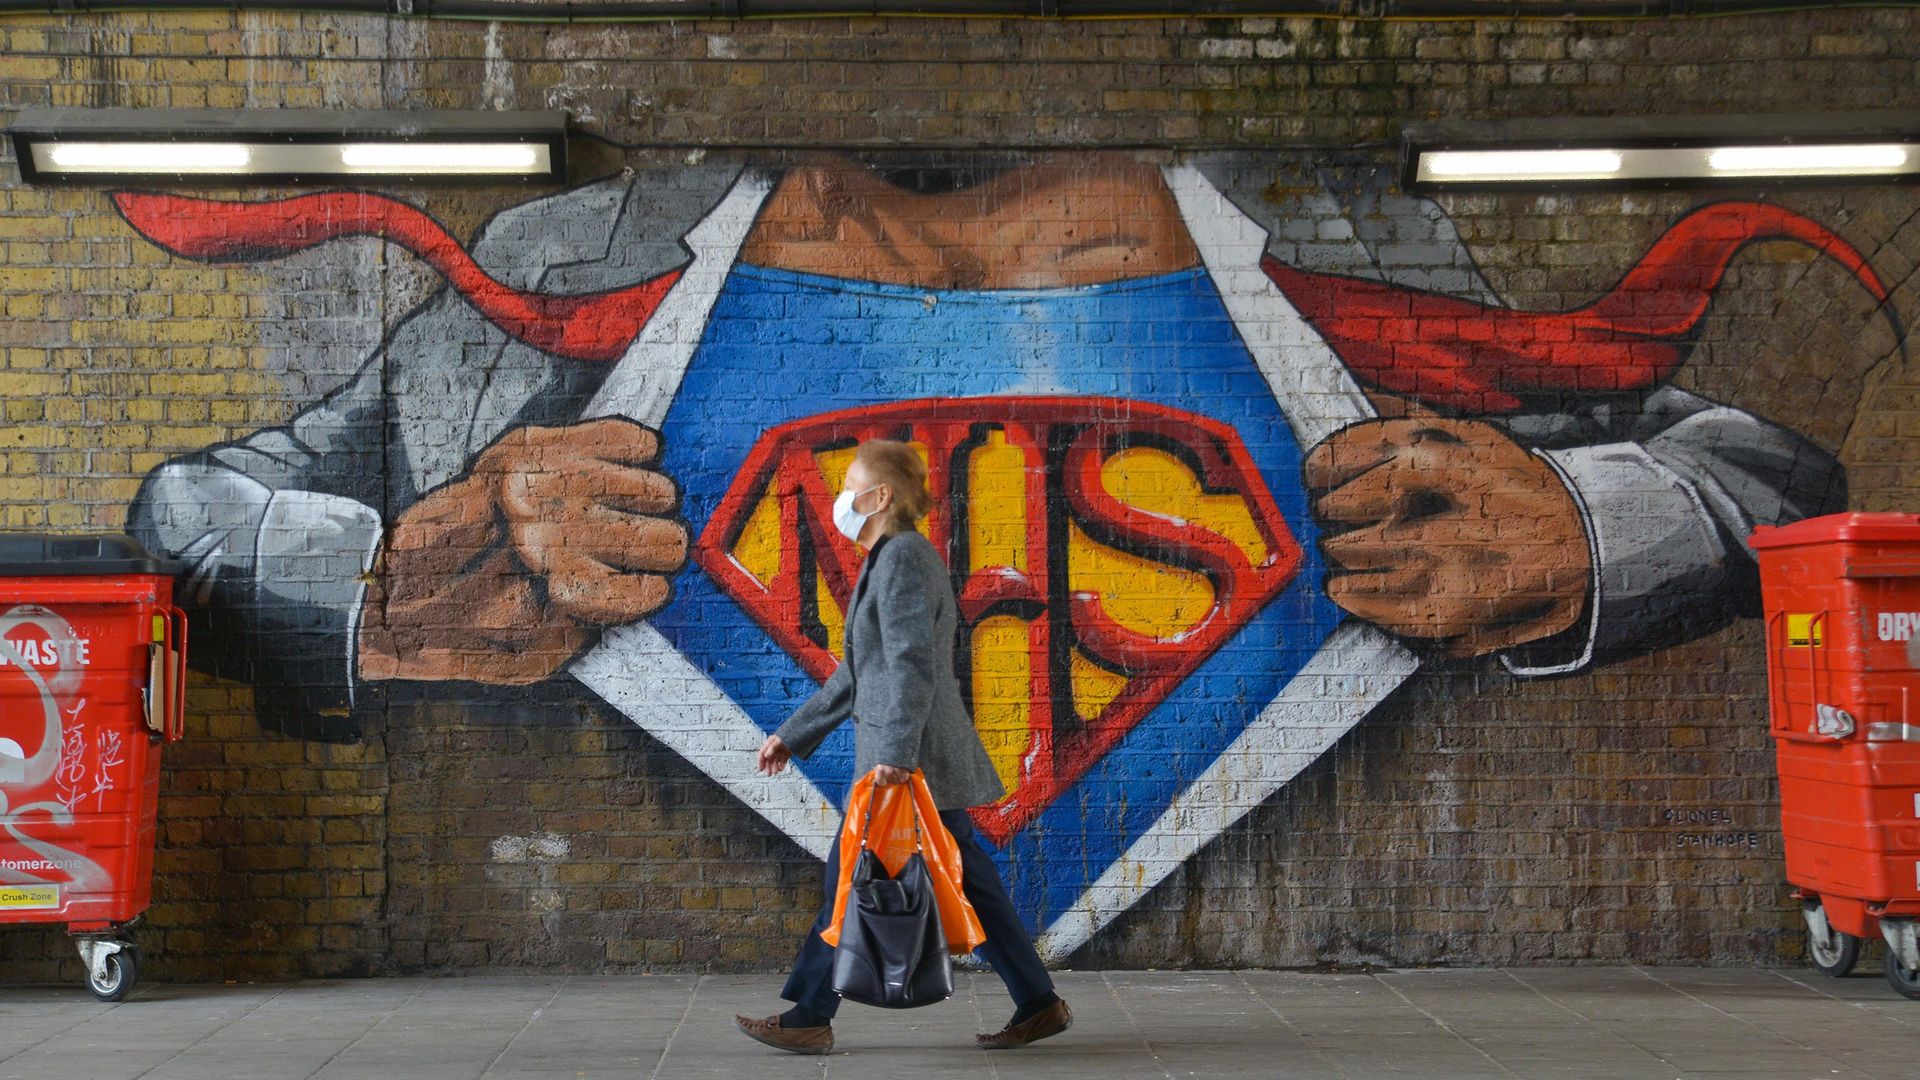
{"x":898,"y":465}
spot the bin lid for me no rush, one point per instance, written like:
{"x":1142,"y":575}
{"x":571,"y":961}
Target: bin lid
{"x":66,"y":555}
{"x":1833,"y":528}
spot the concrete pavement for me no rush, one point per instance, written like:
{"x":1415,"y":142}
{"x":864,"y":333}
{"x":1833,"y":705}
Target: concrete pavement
{"x":1585,"y":1023}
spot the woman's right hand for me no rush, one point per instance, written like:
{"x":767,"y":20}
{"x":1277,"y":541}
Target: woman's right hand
{"x":774,"y":755}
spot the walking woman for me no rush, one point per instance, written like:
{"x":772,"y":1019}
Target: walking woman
{"x":897,"y":681}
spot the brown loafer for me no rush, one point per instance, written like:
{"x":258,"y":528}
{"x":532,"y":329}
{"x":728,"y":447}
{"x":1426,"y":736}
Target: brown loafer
{"x":1050,"y":1021}
{"x":807,"y":1040}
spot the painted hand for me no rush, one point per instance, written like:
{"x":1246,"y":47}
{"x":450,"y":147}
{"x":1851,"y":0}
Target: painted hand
{"x":774,"y":755}
{"x":888,"y":775}
{"x":504,"y":575}
{"x":1448,"y":532}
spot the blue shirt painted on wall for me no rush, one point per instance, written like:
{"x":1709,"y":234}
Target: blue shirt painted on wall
{"x":782,"y":346}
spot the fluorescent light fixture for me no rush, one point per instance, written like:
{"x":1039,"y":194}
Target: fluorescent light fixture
{"x":102,"y":145}
{"x":442,"y":157}
{"x":1879,"y":158}
{"x":1546,"y":164}
{"x":146,"y":157}
{"x":1662,"y":151}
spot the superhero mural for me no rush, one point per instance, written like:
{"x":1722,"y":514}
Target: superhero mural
{"x":1212,"y":474}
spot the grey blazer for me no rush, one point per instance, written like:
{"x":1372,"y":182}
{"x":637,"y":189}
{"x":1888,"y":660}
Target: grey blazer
{"x":897,"y":680}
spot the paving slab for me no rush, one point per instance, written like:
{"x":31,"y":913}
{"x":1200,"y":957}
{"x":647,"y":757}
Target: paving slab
{"x":1448,"y":1024}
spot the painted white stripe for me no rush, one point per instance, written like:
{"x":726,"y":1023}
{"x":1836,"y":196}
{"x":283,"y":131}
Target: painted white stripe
{"x":640,"y":673}
{"x":1357,"y":667}
{"x":644,"y":676}
{"x":1316,"y":392}
{"x":634,"y":668}
{"x":643,"y":384}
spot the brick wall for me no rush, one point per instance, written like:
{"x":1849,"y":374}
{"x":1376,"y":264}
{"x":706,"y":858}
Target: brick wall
{"x":1624,"y":812}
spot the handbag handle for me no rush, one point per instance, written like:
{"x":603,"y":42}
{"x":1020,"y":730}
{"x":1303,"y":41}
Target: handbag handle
{"x":867,"y":825}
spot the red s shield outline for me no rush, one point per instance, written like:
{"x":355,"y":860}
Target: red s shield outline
{"x":1067,"y":443}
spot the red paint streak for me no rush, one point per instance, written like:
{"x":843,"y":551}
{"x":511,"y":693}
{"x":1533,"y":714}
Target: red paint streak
{"x":1479,"y":358}
{"x":1063,"y":744}
{"x":591,"y":326}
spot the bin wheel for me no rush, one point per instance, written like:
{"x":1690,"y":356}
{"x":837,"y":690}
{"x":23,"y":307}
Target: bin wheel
{"x":1906,"y":980}
{"x":121,"y":971}
{"x":1835,"y":956}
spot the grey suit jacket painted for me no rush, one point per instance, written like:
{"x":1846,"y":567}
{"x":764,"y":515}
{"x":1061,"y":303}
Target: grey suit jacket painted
{"x":897,"y":680}
{"x":279,"y":529}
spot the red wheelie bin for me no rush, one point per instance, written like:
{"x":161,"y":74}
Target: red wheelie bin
{"x":1842,"y":599}
{"x":92,"y":683}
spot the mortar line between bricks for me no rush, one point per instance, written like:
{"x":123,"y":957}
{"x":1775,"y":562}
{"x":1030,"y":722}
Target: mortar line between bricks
{"x":667,"y":1047}
{"x":1446,"y":1027}
{"x":1024,"y":61}
{"x":1698,"y":1000}
{"x":544,"y":1006}
{"x":177,"y":1054}
{"x":371,"y":1028}
{"x":1019,"y":61}
{"x":1289,"y":1025}
{"x":1585,"y":1019}
{"x":1816,"y":985}
{"x":1114,"y":992}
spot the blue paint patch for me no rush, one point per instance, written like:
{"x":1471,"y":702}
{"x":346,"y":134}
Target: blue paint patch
{"x":782,"y":346}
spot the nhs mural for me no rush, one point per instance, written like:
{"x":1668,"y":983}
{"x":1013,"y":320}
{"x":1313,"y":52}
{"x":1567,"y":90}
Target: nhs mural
{"x":1217,"y":465}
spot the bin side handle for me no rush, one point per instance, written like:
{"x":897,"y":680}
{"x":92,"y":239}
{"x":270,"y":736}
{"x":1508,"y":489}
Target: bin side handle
{"x":1816,"y":632}
{"x":1871,"y":568}
{"x":1776,"y":661}
{"x":177,"y":673}
{"x":1775,"y":700}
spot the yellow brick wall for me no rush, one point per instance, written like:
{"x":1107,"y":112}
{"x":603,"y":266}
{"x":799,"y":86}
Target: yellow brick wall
{"x":280,"y":857}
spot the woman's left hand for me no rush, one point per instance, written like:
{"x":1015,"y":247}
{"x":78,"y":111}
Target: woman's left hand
{"x":888,"y":775}
{"x":773,"y":755}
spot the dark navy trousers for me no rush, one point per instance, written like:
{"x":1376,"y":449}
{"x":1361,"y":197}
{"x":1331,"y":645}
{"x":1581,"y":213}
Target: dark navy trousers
{"x":1007,"y":948}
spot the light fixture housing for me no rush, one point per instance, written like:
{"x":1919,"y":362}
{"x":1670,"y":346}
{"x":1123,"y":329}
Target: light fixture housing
{"x":229,"y":146}
{"x":1869,"y":146}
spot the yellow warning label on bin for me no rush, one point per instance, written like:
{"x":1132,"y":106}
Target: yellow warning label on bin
{"x":1804,"y":633}
{"x":29,"y":896}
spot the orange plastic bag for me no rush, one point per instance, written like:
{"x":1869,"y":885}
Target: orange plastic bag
{"x":892,"y":839}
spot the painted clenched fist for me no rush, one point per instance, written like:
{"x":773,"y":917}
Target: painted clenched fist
{"x":1449,"y":533}
{"x":505,"y":574}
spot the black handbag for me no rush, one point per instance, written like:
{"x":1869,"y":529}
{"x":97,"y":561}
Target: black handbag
{"x":893,"y":951}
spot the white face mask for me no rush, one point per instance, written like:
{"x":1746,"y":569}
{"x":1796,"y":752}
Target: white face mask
{"x":848,"y":520}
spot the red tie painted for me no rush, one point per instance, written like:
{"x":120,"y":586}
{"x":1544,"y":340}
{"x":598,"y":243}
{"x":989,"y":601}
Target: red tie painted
{"x":1450,"y":353}
{"x":592,"y":326}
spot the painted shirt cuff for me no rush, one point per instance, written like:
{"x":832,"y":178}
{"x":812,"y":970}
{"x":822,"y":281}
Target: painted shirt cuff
{"x":1647,"y":533}
{"x":311,"y":557}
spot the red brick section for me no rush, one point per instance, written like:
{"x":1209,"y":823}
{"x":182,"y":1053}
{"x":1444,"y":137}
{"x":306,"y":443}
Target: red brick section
{"x":1628,"y":814}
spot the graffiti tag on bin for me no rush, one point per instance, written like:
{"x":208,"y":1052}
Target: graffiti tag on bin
{"x":1101,"y":550}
